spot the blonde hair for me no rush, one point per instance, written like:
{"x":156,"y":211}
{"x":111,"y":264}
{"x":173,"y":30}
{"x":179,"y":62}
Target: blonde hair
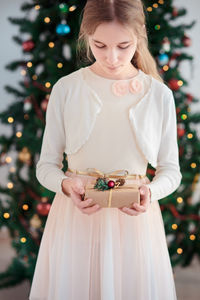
{"x":129,"y":13}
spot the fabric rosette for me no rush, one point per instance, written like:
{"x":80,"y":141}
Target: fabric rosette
{"x":135,"y":86}
{"x":122,"y":87}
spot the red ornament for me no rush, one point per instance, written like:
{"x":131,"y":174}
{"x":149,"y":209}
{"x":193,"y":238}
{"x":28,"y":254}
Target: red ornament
{"x":180,"y":130}
{"x":186,"y":41}
{"x":181,"y":150}
{"x":189,"y":97}
{"x":44,"y":104}
{"x":28,"y":45}
{"x":173,"y":84}
{"x":150,"y":171}
{"x":111,"y":183}
{"x":43,"y":208}
{"x":175,"y":12}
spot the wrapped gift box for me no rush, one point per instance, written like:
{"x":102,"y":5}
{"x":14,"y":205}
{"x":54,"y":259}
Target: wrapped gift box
{"x":120,"y":196}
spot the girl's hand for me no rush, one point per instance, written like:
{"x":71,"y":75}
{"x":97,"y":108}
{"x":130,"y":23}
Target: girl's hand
{"x":74,"y":188}
{"x":145,"y":196}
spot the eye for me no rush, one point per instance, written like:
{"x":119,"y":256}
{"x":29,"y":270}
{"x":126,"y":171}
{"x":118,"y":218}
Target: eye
{"x":104,"y":47}
{"x":124,"y":47}
{"x":99,"y":47}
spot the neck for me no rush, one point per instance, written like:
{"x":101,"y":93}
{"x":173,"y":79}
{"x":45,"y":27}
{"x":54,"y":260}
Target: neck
{"x":129,"y":73}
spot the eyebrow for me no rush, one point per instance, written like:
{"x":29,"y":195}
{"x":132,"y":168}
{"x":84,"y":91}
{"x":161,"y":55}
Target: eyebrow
{"x":119,"y":43}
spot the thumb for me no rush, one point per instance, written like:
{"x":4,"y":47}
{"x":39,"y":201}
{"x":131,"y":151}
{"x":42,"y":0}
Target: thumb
{"x":142,"y":190}
{"x":78,"y":187}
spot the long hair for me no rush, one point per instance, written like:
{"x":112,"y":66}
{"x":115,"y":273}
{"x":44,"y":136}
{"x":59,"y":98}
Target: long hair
{"x":129,"y":13}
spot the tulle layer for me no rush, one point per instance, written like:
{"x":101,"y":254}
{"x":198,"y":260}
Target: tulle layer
{"x":108,"y":255}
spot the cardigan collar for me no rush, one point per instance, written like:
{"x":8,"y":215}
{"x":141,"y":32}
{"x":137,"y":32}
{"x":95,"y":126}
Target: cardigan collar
{"x":143,"y":99}
{"x":84,"y":109}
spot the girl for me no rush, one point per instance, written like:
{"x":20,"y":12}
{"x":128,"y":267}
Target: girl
{"x":113,"y":115}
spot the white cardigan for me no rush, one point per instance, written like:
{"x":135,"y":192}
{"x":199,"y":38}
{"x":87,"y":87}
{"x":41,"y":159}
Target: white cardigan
{"x":70,"y":117}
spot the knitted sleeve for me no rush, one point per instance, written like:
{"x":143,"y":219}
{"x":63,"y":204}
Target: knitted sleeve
{"x":167,"y":175}
{"x":48,"y":168}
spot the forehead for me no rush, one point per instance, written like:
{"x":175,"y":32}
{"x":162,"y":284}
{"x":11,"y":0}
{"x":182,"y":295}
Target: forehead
{"x":113,"y":32}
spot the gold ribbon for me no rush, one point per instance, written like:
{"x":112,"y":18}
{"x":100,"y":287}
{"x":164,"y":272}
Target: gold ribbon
{"x":95,"y":172}
{"x":110,"y":198}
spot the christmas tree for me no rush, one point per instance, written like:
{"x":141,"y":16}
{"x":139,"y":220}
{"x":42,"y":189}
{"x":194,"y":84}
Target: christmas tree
{"x":48,"y":38}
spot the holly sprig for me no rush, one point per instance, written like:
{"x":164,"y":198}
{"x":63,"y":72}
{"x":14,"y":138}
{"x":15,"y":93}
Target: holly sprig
{"x":101,"y":184}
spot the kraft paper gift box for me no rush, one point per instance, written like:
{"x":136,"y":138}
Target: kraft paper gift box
{"x":119,"y":196}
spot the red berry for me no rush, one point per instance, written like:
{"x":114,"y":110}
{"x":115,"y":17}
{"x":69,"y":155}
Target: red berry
{"x":111,"y":183}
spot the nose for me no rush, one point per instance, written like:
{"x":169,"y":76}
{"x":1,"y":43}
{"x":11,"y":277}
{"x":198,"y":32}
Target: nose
{"x":112,"y":57}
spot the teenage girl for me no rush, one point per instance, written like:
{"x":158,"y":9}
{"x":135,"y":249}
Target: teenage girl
{"x":114,"y":114}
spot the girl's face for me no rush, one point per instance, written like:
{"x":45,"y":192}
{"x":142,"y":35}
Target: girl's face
{"x":113,"y":47}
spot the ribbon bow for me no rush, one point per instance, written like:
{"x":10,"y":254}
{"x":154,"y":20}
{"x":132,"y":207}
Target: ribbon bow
{"x":101,"y":174}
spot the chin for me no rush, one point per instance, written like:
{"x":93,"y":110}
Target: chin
{"x":113,"y":69}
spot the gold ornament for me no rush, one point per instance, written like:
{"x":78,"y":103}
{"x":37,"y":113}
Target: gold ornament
{"x":24,"y":155}
{"x":35,"y":221}
{"x":44,"y":199}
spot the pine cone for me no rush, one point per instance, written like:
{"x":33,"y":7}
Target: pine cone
{"x":121,"y":181}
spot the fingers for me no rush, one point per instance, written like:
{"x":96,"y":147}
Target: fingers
{"x":136,"y":208}
{"x":129,"y":211}
{"x":91,"y":210}
{"x":132,"y":211}
{"x":85,"y":207}
{"x":85,"y":203}
{"x":139,"y":208}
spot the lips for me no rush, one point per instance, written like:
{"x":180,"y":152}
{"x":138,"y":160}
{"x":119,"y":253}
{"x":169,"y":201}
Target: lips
{"x":112,"y":68}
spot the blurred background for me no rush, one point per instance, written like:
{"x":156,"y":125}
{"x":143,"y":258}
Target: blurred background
{"x":15,"y":282}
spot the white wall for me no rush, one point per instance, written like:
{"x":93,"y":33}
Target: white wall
{"x":9,"y":50}
{"x":191,"y":74}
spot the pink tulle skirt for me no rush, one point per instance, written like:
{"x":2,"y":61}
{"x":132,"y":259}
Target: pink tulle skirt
{"x":108,"y":255}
